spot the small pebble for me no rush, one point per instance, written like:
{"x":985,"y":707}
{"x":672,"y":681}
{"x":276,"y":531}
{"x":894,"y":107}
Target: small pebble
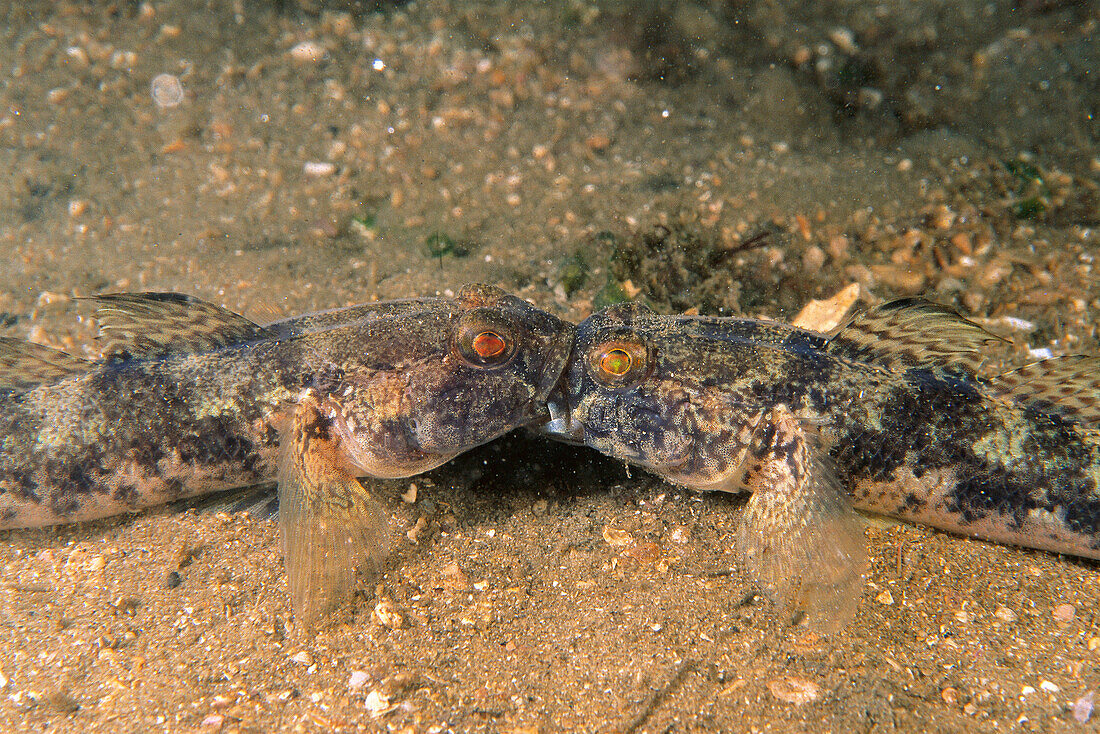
{"x":1005,"y":614}
{"x":386,"y":614}
{"x":167,"y":91}
{"x":885,"y":598}
{"x":307,"y":52}
{"x":77,"y":55}
{"x":1083,"y":706}
{"x":813,"y":258}
{"x":455,"y":578}
{"x":358,"y":679}
{"x":844,"y":39}
{"x":318,"y":168}
{"x":409,"y":497}
{"x":899,"y":277}
{"x":172,"y":580}
{"x":213,"y":722}
{"x":1017,"y":324}
{"x":417,"y":530}
{"x":616,"y":538}
{"x":1049,"y":687}
{"x":377,"y":702}
{"x":302,"y":657}
{"x":643,"y":552}
{"x":794,"y":690}
{"x":826,"y":314}
{"x":950,"y":696}
{"x":598,"y":142}
{"x":680,"y":535}
{"x":1064,"y":613}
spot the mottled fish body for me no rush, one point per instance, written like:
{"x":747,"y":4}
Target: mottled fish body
{"x":191,"y":398}
{"x":888,"y":414}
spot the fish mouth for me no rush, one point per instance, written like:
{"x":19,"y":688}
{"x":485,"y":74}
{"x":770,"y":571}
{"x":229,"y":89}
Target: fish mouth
{"x":561,"y":425}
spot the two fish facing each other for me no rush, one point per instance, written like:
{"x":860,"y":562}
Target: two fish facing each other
{"x":888,"y":414}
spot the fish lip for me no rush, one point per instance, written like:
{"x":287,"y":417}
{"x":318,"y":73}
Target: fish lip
{"x":553,"y":367}
{"x":561,"y":425}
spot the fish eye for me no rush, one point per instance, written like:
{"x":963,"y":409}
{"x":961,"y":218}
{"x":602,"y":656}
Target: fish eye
{"x":488,"y":344}
{"x":483,"y":342}
{"x":615,"y":362}
{"x":619,"y":363}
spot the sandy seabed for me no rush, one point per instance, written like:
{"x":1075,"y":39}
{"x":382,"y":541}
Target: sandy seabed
{"x":572,"y":153}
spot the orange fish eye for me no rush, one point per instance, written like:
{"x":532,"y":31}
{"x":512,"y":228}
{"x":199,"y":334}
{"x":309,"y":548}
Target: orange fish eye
{"x":488,"y":344}
{"x":616,"y":362}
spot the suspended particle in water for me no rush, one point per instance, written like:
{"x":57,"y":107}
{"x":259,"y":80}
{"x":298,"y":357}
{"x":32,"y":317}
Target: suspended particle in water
{"x":167,"y":91}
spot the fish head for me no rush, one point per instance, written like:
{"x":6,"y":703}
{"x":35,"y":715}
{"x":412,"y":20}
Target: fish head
{"x":668,"y":393}
{"x":613,"y":396}
{"x":447,"y":376}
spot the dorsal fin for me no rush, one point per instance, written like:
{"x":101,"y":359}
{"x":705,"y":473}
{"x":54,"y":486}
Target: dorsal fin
{"x":1068,"y":386}
{"x":909,"y":333}
{"x":25,"y":364}
{"x":154,"y":325}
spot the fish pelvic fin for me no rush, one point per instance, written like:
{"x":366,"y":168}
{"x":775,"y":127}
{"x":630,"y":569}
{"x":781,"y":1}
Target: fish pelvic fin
{"x":800,"y":540}
{"x":332,"y":527}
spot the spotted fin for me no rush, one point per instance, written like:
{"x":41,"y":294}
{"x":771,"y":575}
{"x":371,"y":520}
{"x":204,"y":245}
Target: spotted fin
{"x":155,"y":325}
{"x":25,"y":364}
{"x":910,"y":333}
{"x":800,"y":540}
{"x":331,"y":526}
{"x":1068,"y":386}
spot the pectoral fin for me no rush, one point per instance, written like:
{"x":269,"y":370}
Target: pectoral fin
{"x":800,"y":540}
{"x":331,"y":525}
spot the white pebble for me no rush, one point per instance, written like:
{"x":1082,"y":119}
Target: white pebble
{"x":303,"y":657}
{"x":307,"y":52}
{"x":358,"y":679}
{"x":1049,"y":687}
{"x":318,"y":168}
{"x":377,"y":703}
{"x":1041,"y":353}
{"x":167,"y":91}
{"x":1083,"y":707}
{"x":1018,"y":324}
